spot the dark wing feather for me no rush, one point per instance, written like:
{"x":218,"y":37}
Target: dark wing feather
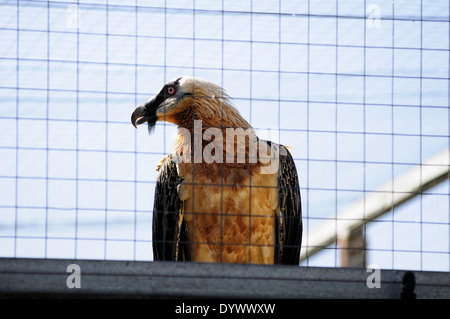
{"x":170,"y":238}
{"x":289,"y":219}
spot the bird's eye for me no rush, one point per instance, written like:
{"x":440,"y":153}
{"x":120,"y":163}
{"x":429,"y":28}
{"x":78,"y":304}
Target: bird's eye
{"x":171,"y":90}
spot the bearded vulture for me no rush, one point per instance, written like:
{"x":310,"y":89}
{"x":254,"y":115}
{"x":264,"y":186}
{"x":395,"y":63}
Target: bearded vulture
{"x":223,"y":194}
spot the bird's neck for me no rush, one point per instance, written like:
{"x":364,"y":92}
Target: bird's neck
{"x":212,"y":131}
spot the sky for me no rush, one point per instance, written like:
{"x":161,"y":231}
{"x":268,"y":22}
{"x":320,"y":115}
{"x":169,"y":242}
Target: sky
{"x":358,"y":89}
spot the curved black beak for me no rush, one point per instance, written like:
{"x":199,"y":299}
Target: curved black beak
{"x":138,"y":116}
{"x":146,"y":113}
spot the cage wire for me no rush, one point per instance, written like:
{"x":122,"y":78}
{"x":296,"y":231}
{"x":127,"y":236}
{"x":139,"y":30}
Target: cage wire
{"x":358,"y":89}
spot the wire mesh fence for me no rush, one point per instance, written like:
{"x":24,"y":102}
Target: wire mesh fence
{"x":358,"y":89}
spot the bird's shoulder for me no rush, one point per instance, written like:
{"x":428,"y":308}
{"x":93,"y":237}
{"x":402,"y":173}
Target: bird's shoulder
{"x":283,"y":150}
{"x":168,"y":171}
{"x":163,"y":162}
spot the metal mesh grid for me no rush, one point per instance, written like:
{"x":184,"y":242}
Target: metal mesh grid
{"x":358,"y":89}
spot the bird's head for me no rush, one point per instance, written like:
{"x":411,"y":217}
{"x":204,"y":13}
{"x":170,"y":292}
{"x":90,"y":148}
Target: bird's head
{"x":186,"y":99}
